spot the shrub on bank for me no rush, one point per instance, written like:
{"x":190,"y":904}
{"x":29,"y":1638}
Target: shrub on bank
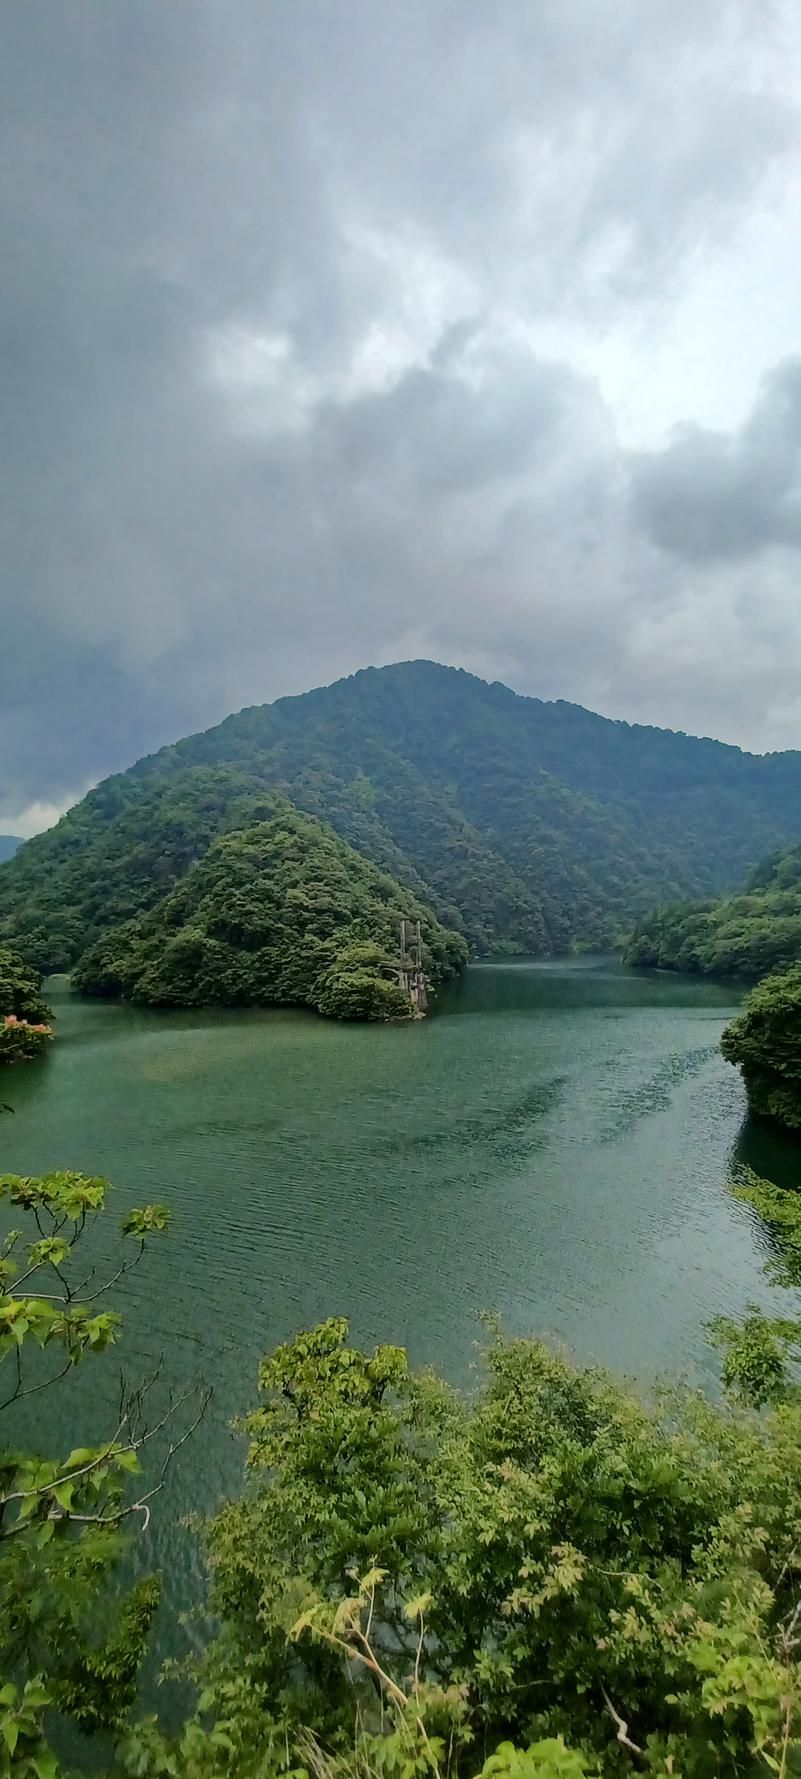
{"x":19,"y":1040}
{"x":765,"y":1041}
{"x":25,"y":1027}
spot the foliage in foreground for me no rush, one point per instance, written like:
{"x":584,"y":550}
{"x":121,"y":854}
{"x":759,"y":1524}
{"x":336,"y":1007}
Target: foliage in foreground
{"x":68,"y":1646}
{"x":546,"y":1578}
{"x":765,"y":1041}
{"x":283,"y":913}
{"x":24,"y":1014}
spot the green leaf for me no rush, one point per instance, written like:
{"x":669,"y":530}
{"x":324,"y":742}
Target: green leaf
{"x":10,"y":1732}
{"x":45,"y":1764}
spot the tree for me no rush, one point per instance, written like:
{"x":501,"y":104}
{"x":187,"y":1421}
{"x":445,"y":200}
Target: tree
{"x":24,"y":1015}
{"x":68,"y":1645}
{"x":765,"y":1042}
{"x":548,"y":1578}
{"x":743,"y":937}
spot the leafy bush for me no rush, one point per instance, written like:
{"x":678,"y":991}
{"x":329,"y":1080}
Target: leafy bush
{"x":24,"y":1015}
{"x":548,"y":1578}
{"x":68,"y":1644}
{"x":21,"y":989}
{"x":20,"y":1041}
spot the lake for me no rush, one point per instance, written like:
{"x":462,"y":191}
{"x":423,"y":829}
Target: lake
{"x":554,"y":1144}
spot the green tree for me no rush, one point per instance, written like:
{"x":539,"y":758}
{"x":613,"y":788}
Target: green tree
{"x":547,"y":1577}
{"x":744,"y":936}
{"x":765,"y":1043}
{"x":69,"y":1644}
{"x":24,"y":1014}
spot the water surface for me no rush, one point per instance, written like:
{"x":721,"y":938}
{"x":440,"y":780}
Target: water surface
{"x":554,"y":1143}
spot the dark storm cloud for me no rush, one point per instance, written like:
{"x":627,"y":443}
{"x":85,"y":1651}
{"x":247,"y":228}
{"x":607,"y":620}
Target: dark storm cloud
{"x":287,"y":315}
{"x":708,"y":497}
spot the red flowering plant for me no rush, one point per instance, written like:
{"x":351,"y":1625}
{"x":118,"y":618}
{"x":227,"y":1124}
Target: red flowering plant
{"x":20,"y":1040}
{"x":25,"y":1026}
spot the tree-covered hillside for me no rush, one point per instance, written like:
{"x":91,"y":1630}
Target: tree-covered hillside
{"x":748,"y":937}
{"x":281,"y":913}
{"x":8,"y":845}
{"x":742,"y":936}
{"x":532,"y":825}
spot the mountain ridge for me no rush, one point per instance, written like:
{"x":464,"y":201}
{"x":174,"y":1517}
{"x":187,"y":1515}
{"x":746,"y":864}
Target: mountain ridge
{"x":532,"y":825}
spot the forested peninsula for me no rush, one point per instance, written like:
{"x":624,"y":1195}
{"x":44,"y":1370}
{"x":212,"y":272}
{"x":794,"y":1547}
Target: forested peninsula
{"x":753,"y":937}
{"x":529,"y":827}
{"x":744,"y":936}
{"x":282,"y":913}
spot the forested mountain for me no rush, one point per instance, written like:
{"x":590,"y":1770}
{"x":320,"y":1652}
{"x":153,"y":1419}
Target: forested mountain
{"x":8,"y":845}
{"x":281,"y":913}
{"x":530,"y":825}
{"x":742,"y":936}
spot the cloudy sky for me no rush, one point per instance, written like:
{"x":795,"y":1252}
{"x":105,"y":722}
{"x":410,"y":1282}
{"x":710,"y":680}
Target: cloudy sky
{"x":341,"y":331}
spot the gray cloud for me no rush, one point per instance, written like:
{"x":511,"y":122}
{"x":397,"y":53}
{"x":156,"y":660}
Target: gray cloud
{"x":304,"y":325}
{"x":708,"y":497}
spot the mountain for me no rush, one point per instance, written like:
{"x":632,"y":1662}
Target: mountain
{"x":281,"y":913}
{"x":8,"y":845}
{"x":742,"y":936}
{"x":529,"y":825}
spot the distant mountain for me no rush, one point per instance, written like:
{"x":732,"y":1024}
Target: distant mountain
{"x":743,"y":936}
{"x":8,"y":845}
{"x":531,"y":826}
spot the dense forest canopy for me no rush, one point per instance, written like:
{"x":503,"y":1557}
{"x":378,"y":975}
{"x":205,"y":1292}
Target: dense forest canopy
{"x":282,"y":912}
{"x":529,"y":825}
{"x":742,"y":936}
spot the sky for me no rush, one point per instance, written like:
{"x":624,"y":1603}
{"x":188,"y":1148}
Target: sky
{"x":337,"y":332}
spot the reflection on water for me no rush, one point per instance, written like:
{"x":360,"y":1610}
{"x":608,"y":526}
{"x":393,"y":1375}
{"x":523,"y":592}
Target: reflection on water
{"x":553,"y":1143}
{"x":769,"y":1151}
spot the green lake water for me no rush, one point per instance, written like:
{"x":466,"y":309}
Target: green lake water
{"x":554,"y":1143}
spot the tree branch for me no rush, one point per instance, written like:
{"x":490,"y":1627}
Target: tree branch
{"x":622,"y":1728}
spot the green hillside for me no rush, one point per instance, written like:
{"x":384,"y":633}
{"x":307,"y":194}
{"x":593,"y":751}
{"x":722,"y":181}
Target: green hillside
{"x":8,"y":845}
{"x":530,"y":825}
{"x":743,"y":936}
{"x":752,"y":937}
{"x":282,"y":913}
